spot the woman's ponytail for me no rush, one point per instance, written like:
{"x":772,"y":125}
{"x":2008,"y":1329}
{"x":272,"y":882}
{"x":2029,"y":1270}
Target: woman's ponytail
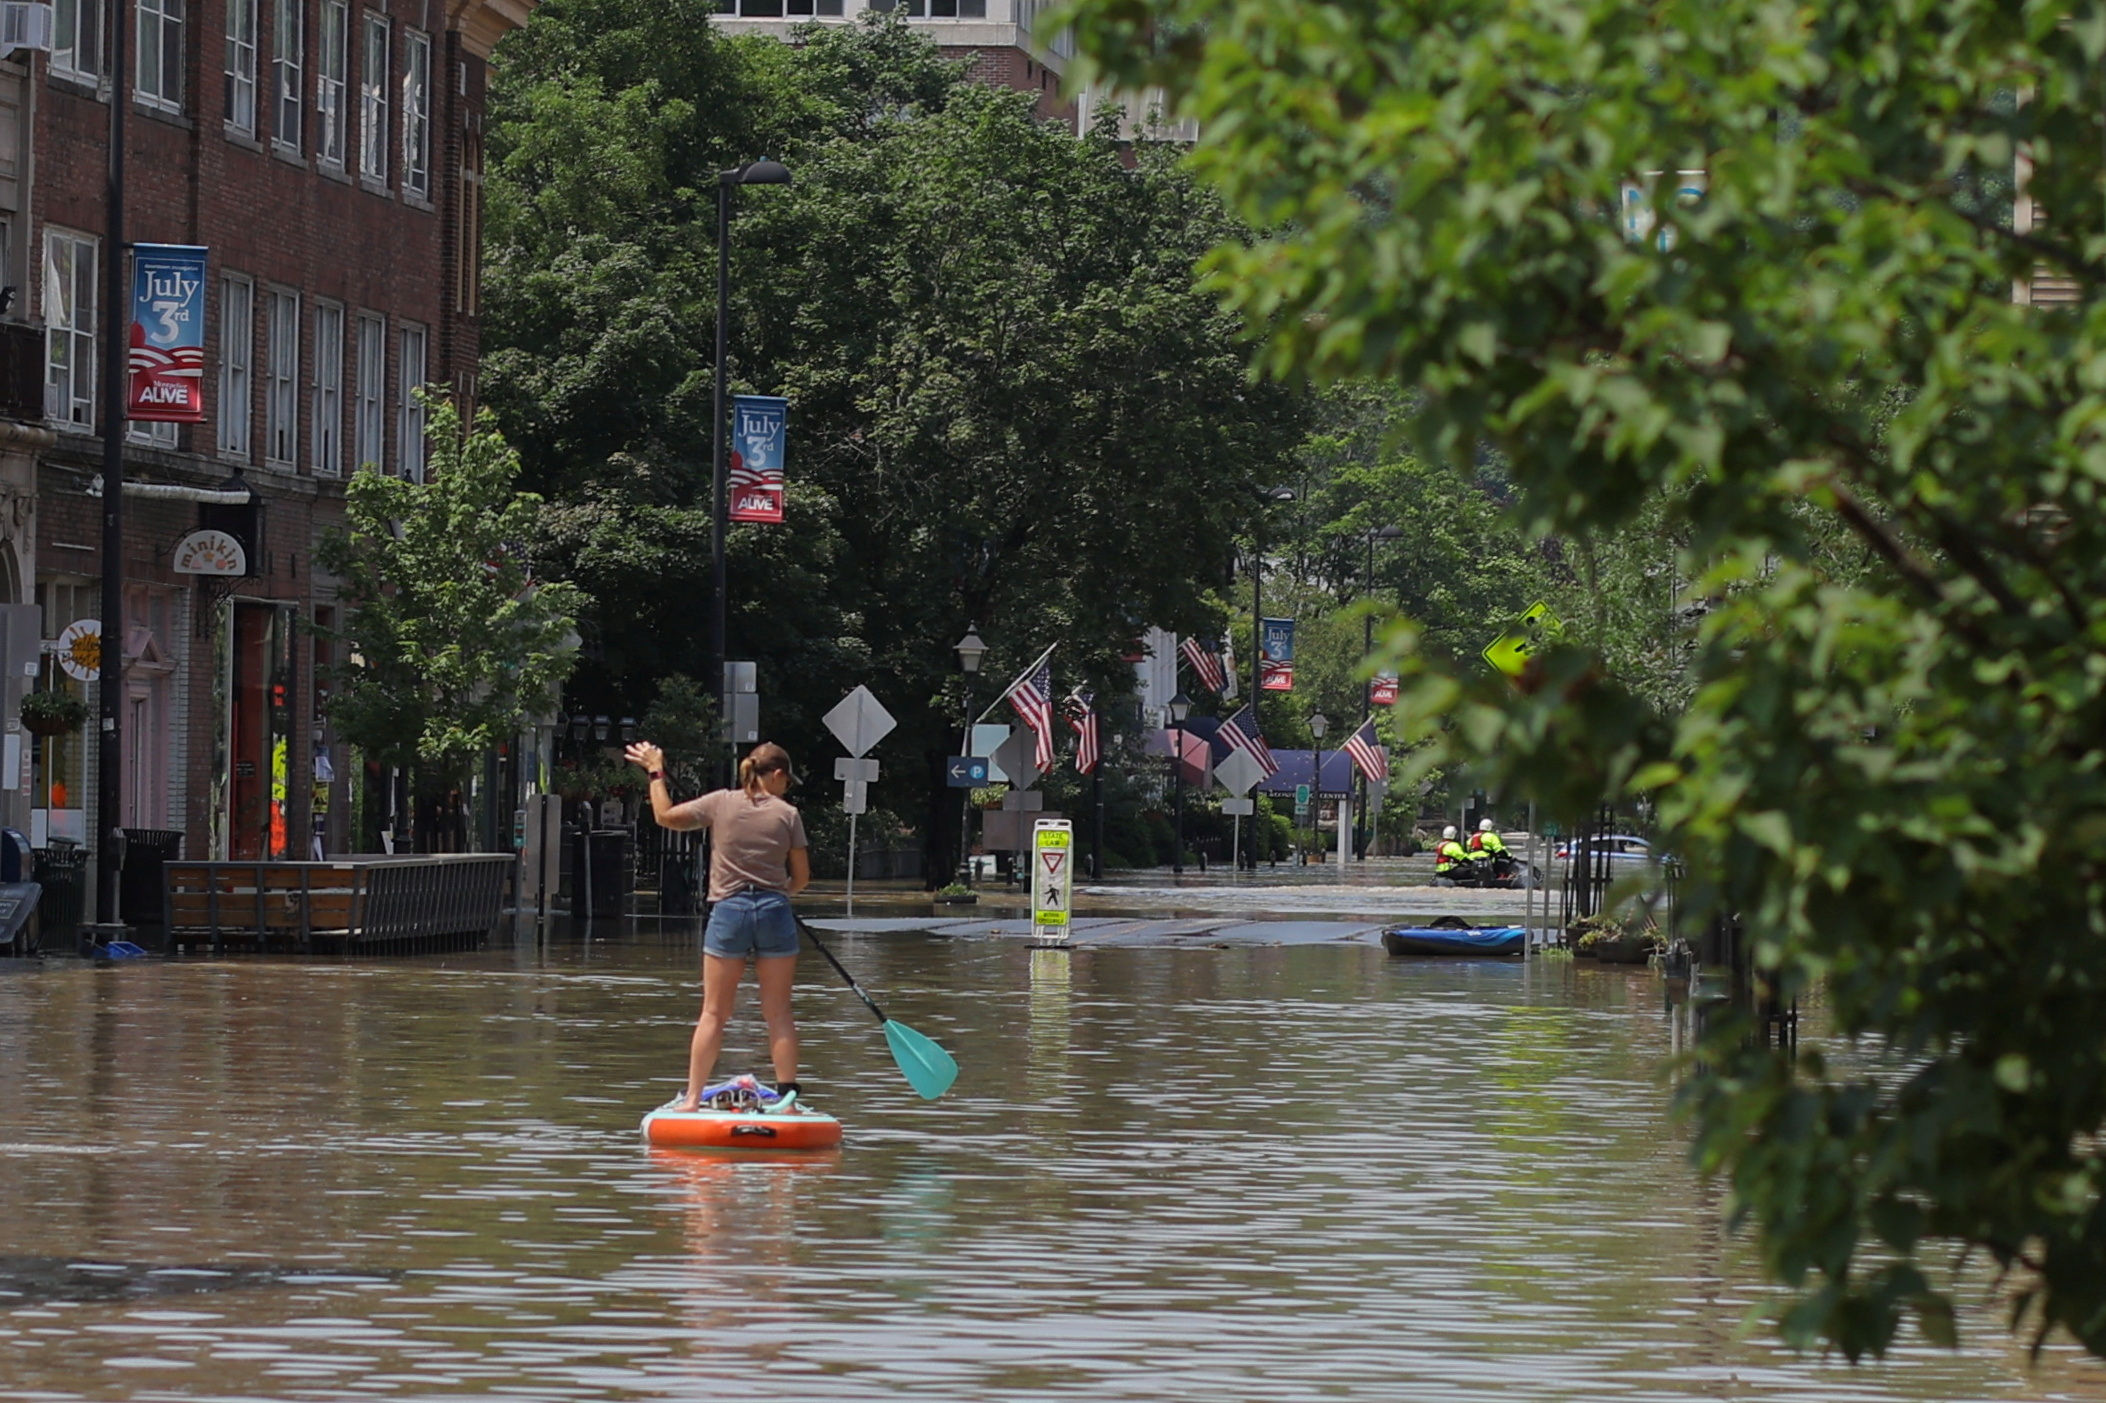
{"x":749,"y":777}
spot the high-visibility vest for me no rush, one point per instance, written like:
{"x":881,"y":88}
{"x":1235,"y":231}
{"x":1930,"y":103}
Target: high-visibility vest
{"x":1490,"y":844}
{"x":1449,"y":854}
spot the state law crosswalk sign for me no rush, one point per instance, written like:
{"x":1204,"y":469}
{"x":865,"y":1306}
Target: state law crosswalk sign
{"x":1052,"y":878}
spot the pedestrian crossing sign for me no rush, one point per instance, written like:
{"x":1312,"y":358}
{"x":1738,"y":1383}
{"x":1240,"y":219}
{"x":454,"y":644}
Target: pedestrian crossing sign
{"x":1052,"y":878}
{"x":1510,"y":651}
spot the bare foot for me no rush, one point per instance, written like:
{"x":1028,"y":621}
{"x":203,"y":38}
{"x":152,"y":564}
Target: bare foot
{"x":687,"y":1104}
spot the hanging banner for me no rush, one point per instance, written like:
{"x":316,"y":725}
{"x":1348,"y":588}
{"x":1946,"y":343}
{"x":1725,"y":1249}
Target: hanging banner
{"x":1383,"y":692}
{"x":756,"y":457}
{"x":166,"y":363}
{"x":1276,"y":663}
{"x":80,"y":650}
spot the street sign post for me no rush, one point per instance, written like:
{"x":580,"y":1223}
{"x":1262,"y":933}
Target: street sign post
{"x":1510,"y":651}
{"x":1017,"y":758}
{"x":1237,"y":772}
{"x":859,"y":721}
{"x":1052,"y":880}
{"x":965,"y":771}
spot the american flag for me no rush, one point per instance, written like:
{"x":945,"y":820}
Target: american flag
{"x":1089,"y":740}
{"x":1370,"y":757}
{"x":1240,"y":732}
{"x":1206,"y":664}
{"x":1032,"y":696}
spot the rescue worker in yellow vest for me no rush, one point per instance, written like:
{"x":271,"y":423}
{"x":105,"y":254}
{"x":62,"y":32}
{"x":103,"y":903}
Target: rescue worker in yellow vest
{"x":1449,"y":855}
{"x":1486,"y":842}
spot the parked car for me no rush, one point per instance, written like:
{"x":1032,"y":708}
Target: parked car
{"x":1620,"y":847}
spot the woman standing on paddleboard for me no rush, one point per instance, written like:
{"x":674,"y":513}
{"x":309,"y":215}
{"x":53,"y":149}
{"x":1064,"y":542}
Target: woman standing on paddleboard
{"x":758,"y":859}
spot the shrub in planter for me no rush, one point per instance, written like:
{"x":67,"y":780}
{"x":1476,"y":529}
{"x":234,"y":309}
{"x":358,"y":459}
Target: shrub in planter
{"x":47,"y":713}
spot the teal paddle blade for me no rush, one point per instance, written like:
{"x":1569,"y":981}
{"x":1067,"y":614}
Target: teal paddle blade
{"x":928,"y":1068}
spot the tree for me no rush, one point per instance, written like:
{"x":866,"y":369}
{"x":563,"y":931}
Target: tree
{"x":1880,"y":481}
{"x":450,"y":643}
{"x":1011,"y":407}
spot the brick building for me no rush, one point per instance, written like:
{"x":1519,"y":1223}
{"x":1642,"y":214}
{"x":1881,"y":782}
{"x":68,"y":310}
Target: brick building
{"x":328,"y":154}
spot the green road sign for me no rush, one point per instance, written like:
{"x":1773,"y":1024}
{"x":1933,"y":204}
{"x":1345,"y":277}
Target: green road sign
{"x":1510,"y":651}
{"x":1301,"y":796}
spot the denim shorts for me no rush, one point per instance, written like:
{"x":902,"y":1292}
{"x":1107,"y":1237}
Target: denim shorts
{"x":751,"y":922}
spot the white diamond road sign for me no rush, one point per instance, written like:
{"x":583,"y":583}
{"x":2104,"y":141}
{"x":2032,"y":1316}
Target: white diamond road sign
{"x":1238,"y":772}
{"x":859,"y":721}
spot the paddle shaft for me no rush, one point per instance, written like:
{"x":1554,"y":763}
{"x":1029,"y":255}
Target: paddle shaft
{"x":868,"y":1002}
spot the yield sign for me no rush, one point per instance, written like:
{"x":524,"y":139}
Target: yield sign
{"x":859,"y":721}
{"x":1054,"y":861}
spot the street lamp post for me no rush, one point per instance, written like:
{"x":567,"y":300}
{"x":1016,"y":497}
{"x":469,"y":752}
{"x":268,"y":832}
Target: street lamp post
{"x":1367,"y":648}
{"x":761,"y":172}
{"x":970,"y":650}
{"x":109,"y":788}
{"x":1180,"y":708}
{"x":1318,"y":724}
{"x":1266,"y":496}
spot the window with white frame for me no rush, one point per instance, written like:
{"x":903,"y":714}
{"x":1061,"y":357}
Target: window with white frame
{"x":76,"y":38}
{"x":71,"y":274}
{"x":370,"y":422}
{"x":411,"y":369}
{"x":281,"y":380}
{"x":288,"y":66}
{"x":159,"y":82}
{"x":416,"y":113}
{"x":774,"y":9}
{"x":237,"y":349}
{"x":332,"y":77}
{"x":373,"y":101}
{"x":327,"y":435}
{"x":241,"y":66}
{"x":151,"y":431}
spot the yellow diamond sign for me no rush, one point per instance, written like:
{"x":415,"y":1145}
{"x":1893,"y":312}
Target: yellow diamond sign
{"x":1510,"y":651}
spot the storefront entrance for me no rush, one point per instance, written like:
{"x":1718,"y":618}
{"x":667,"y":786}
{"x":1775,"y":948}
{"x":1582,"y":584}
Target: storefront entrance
{"x":254,"y":778}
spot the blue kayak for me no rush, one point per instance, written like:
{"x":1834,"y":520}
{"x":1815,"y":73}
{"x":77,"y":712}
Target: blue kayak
{"x":1443,"y":940}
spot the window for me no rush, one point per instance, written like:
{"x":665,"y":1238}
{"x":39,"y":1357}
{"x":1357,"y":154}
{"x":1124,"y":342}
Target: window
{"x":151,"y":431}
{"x":237,"y":349}
{"x":70,"y":276}
{"x":328,"y":431}
{"x":416,"y":113}
{"x":241,"y":66}
{"x":281,"y":381}
{"x":772,"y":9}
{"x":288,"y":54}
{"x":160,"y":79}
{"x":372,"y":391}
{"x":330,"y":79}
{"x":373,"y":102}
{"x":934,"y":9}
{"x":411,"y":457}
{"x":76,"y":38}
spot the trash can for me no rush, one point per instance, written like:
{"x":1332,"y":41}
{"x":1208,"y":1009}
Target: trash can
{"x":61,"y":870}
{"x":600,"y":873}
{"x":139,"y":884}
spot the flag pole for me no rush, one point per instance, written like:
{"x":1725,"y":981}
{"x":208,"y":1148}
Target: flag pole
{"x":1015,"y":683}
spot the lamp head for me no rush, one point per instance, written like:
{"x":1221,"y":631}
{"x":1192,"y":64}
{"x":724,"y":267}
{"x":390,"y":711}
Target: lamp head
{"x":1318,"y":724}
{"x":970,"y":649}
{"x":1278,"y":493}
{"x":1386,"y":533}
{"x":763,"y":172}
{"x":1180,"y":708}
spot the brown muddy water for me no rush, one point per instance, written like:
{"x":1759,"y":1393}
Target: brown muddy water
{"x":1221,"y":1174}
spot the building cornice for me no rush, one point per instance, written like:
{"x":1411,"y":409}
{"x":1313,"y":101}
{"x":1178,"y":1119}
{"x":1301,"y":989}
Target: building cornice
{"x":481,"y":23}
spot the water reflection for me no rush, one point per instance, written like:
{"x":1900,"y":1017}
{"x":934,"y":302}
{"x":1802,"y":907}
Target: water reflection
{"x":1248,"y":1173}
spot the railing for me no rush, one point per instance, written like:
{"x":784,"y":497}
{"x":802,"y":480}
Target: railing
{"x":349,"y":905}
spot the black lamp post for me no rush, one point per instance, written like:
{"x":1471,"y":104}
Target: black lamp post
{"x":1180,"y":708}
{"x":1367,"y":647}
{"x":1318,"y":724}
{"x":761,"y":172}
{"x":116,"y":308}
{"x":970,"y":650}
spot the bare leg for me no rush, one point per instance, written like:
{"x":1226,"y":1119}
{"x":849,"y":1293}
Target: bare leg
{"x":777,"y":973}
{"x":720,"y":989}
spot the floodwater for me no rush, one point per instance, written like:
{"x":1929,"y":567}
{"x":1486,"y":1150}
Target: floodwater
{"x":1220,"y":1174}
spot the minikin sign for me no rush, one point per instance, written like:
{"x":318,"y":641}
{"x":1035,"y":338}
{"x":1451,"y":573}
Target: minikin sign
{"x":210,"y":552}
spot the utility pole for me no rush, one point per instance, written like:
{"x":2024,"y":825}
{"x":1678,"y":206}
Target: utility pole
{"x":116,"y":299}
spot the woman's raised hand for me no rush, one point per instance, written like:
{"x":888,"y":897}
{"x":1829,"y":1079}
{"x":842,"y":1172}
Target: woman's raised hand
{"x":645,"y":754}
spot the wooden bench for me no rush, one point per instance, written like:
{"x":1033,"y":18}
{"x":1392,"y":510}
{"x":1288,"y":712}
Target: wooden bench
{"x":347,"y":905}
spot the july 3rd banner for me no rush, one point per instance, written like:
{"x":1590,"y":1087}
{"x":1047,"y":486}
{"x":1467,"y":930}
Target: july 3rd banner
{"x":166,"y":362}
{"x":756,"y":457}
{"x":1276,"y":664}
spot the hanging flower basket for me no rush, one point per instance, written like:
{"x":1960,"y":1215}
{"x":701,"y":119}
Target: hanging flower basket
{"x":53,"y":713}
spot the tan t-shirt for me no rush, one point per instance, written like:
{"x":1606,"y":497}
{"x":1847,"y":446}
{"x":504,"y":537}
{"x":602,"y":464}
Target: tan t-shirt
{"x":749,"y":839}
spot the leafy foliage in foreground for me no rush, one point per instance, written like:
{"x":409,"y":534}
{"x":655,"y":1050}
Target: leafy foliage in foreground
{"x":1889,"y":761}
